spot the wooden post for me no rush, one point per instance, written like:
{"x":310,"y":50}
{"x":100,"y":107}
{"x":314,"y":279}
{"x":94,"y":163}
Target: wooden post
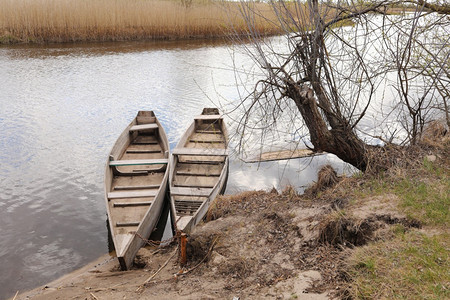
{"x":183,"y":242}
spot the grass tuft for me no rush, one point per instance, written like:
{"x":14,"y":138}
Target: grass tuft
{"x":427,"y":202}
{"x":411,"y":266}
{"x":423,"y":193}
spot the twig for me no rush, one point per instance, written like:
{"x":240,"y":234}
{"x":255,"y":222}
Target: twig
{"x":93,"y":296}
{"x":204,"y":258}
{"x":111,"y":274}
{"x":154,"y":274}
{"x":16,"y":295}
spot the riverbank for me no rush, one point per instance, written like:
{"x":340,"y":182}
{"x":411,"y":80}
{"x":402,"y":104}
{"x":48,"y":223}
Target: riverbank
{"x":369,"y":236}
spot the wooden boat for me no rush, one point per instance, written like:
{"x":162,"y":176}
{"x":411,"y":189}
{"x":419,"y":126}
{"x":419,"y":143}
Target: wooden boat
{"x":135,"y":184}
{"x":198,"y":170}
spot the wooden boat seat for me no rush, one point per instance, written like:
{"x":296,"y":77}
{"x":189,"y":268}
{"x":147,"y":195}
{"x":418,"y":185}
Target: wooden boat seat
{"x":187,"y":173}
{"x":201,"y":162}
{"x":137,"y":151}
{"x":138,"y":162}
{"x":126,"y":224}
{"x":144,"y":127}
{"x":200,"y":151}
{"x":132,"y":194}
{"x":208,"y":117}
{"x":127,"y":204}
{"x":209,"y":186}
{"x":194,"y":192}
{"x":136,"y":187}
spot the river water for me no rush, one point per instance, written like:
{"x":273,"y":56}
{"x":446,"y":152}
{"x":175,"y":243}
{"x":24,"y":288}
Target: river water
{"x":62,"y":108}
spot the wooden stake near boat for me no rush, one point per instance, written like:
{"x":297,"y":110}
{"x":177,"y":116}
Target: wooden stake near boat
{"x":183,"y":244}
{"x":136,"y":178}
{"x":198,"y":169}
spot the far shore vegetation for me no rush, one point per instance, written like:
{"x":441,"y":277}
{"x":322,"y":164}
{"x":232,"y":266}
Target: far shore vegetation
{"x":59,"y":21}
{"x":54,"y":21}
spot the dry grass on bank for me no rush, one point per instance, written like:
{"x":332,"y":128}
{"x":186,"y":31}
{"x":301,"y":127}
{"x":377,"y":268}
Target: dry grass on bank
{"x":371,"y":236}
{"x":111,"y":20}
{"x":408,"y":258}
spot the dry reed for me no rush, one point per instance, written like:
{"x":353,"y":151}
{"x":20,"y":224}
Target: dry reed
{"x":112,"y":20}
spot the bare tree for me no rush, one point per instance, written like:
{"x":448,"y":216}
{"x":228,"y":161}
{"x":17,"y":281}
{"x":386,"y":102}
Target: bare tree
{"x":420,"y":56}
{"x":332,"y":73}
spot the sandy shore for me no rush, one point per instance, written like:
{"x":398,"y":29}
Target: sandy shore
{"x":252,"y":253}
{"x":102,"y":280}
{"x":256,"y":245}
{"x":84,"y":274}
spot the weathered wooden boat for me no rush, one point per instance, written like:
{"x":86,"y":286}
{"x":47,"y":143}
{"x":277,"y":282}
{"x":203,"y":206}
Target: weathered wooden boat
{"x":135,"y":184}
{"x":198,"y":169}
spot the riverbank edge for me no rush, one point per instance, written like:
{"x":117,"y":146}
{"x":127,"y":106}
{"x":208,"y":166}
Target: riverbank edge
{"x":367,"y":236}
{"x":8,"y":40}
{"x":102,"y":263}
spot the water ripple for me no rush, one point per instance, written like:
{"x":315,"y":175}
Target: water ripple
{"x":61,"y":109}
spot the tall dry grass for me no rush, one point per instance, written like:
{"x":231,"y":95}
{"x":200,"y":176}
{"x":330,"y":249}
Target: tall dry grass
{"x":111,"y":20}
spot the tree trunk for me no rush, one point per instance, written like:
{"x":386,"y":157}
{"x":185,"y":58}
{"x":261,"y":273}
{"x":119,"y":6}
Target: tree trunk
{"x":341,"y":141}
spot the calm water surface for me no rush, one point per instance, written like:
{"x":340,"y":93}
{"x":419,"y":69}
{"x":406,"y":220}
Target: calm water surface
{"x":61,"y":110}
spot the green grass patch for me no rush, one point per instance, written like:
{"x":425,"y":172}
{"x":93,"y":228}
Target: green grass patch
{"x":427,"y":202}
{"x":411,"y":266}
{"x":423,"y":194}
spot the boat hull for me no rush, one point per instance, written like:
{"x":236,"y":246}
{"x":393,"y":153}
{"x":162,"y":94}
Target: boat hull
{"x":136,"y":182}
{"x":199,"y":170}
